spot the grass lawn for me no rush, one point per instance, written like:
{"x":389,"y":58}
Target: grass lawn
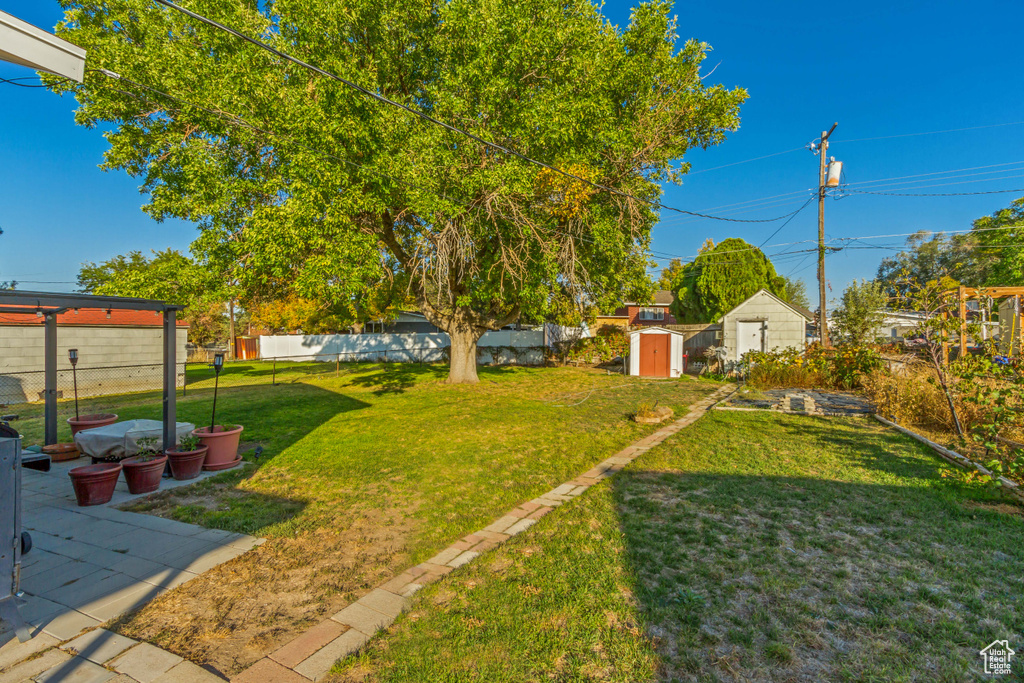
{"x":749,"y":547}
{"x":364,"y":475}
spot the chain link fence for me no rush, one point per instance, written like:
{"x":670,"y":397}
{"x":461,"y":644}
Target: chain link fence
{"x":103,"y":389}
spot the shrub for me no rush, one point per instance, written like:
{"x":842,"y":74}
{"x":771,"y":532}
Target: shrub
{"x":841,"y":367}
{"x":600,"y":349}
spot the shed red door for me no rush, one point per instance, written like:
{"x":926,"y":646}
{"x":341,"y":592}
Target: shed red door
{"x":654,"y":355}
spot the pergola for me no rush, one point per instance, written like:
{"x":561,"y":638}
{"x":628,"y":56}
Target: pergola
{"x":49,"y":306}
{"x":963,"y":294}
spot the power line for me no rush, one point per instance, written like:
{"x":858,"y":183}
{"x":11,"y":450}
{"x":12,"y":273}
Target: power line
{"x":777,"y":230}
{"x":938,"y":194}
{"x":930,"y":132}
{"x":746,"y":161}
{"x":921,"y":175}
{"x":447,"y":126}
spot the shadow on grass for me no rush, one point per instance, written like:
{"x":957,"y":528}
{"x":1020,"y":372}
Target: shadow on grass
{"x":787,"y":577}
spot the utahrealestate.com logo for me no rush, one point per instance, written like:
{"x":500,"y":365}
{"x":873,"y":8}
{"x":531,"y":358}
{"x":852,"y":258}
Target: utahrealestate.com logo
{"x":997,"y":657}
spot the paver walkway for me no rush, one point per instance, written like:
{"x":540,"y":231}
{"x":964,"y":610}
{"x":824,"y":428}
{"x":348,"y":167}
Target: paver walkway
{"x":803,"y":402}
{"x":311,"y":655}
{"x":92,"y":564}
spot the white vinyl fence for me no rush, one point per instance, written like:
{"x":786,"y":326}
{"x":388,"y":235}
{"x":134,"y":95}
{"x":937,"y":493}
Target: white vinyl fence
{"x":523,"y":347}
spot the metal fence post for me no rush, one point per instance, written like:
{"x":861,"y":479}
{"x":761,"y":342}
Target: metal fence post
{"x":273,"y":375}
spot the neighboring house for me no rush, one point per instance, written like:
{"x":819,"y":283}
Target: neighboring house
{"x":632,"y":315}
{"x":764,"y":322}
{"x":899,"y":325}
{"x":118,"y":351}
{"x":407,"y":322}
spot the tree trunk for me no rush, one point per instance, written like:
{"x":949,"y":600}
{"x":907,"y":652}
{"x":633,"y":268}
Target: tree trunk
{"x":462,"y":365}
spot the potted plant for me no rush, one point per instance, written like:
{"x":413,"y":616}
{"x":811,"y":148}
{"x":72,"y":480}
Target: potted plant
{"x":144,"y":471}
{"x":222,"y":441}
{"x":94,"y":484}
{"x":187,"y":458}
{"x":91,"y":421}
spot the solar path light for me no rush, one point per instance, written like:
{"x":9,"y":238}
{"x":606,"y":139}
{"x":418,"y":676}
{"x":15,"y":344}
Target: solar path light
{"x":73,"y":357}
{"x":218,"y":365}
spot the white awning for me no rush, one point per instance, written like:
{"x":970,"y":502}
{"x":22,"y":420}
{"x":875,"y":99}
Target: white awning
{"x":22,"y":43}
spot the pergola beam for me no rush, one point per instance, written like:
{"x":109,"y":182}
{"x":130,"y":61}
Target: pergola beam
{"x":24,"y":44}
{"x":45,"y":300}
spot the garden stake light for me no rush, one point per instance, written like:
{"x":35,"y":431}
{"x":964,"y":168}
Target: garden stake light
{"x":73,"y":357}
{"x":218,"y":365}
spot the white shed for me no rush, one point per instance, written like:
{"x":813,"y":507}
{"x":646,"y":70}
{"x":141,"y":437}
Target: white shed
{"x":655,"y":352}
{"x":764,"y":322}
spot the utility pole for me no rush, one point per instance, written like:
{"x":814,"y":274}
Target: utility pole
{"x":822,"y":166}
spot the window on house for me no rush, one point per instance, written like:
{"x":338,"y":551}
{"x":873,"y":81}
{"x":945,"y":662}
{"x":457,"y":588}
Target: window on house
{"x":652,"y":314}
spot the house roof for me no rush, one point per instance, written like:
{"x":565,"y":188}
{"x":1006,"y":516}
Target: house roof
{"x":662,"y":297}
{"x":799,"y":310}
{"x":93,"y":317}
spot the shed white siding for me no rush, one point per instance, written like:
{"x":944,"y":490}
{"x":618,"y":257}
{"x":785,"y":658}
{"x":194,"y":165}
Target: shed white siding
{"x":675,"y":344}
{"x":783,"y":327}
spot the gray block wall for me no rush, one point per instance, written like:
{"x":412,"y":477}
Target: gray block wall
{"x":105,"y":354}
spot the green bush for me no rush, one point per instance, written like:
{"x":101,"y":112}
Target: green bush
{"x":841,"y":367}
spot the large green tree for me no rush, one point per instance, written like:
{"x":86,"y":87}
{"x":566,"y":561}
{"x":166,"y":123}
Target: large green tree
{"x":325,"y":190}
{"x":167,"y":275}
{"x":862,"y":311}
{"x":998,"y":243}
{"x":722,"y":277}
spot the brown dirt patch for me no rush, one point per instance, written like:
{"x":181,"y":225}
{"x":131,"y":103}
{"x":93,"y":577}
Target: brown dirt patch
{"x":238,"y":612}
{"x":1004,"y":508}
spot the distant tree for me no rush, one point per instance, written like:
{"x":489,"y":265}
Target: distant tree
{"x":669,"y":274}
{"x":795,"y":292}
{"x":169,"y":276}
{"x":720,"y":278}
{"x":933,"y":256}
{"x":998,"y":242}
{"x":861,"y":312}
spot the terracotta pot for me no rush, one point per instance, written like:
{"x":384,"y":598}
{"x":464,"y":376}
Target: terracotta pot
{"x":187,"y":464}
{"x":94,"y":484}
{"x":60,"y":452}
{"x":91,"y":421}
{"x":143,"y":476}
{"x":223,"y":445}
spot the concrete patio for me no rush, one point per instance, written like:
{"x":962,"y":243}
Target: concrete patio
{"x":92,"y":564}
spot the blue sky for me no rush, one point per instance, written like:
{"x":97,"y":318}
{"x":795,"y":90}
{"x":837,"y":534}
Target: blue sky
{"x":880,"y":69}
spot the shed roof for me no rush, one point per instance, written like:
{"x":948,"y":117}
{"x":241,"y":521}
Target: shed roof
{"x":799,"y":310}
{"x":653,"y":328}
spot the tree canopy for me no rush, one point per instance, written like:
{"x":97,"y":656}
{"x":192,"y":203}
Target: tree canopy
{"x":169,"y":276}
{"x":990,"y":255}
{"x":320,"y":191}
{"x":722,"y":277}
{"x":862,"y":311}
{"x":669,"y":274}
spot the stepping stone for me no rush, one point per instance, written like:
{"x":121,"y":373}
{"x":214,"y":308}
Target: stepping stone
{"x":145,"y":662}
{"x":99,"y":646}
